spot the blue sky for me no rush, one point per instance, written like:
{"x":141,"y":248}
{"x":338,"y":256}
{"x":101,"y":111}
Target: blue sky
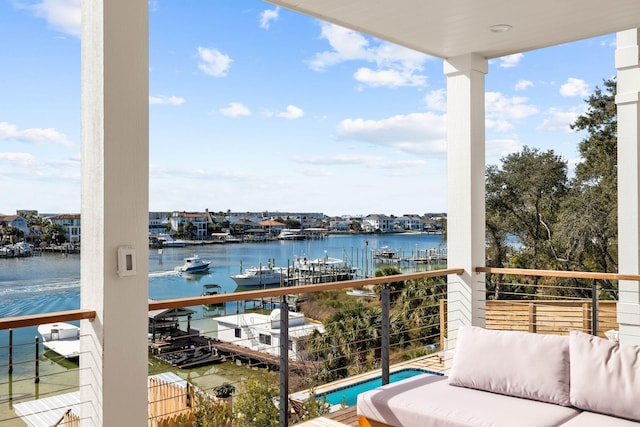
{"x":255,"y":108}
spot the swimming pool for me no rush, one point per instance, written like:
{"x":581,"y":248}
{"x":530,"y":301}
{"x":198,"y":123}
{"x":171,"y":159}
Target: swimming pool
{"x":349,"y":394}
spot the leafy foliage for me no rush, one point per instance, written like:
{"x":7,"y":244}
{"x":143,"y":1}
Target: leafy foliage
{"x":254,"y":405}
{"x":559,"y":223}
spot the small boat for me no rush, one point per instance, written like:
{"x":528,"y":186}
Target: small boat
{"x":194,"y":265}
{"x":386,"y":253}
{"x":167,"y":241}
{"x":62,"y":338}
{"x":261,"y":276}
{"x":211,"y":289}
{"x":291,"y":234}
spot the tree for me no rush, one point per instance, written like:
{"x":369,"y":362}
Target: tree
{"x":589,"y":222}
{"x":355,"y":227}
{"x":254,"y":406}
{"x":523,"y":199}
{"x":55,"y":233}
{"x":11,"y":233}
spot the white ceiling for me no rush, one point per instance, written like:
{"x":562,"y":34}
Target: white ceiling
{"x":447,"y":28}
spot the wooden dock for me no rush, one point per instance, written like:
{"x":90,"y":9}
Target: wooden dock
{"x":257,"y":358}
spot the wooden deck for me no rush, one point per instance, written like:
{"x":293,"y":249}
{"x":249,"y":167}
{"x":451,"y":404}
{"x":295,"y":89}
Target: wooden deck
{"x":347,"y":417}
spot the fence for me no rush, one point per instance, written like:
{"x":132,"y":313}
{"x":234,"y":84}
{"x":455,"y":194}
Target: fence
{"x":399,"y":321}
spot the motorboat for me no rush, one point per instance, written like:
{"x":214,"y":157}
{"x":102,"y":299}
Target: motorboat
{"x":211,"y":289}
{"x":290,"y":234}
{"x":261,"y":276}
{"x":167,"y":241}
{"x":62,"y":338}
{"x":194,"y":265}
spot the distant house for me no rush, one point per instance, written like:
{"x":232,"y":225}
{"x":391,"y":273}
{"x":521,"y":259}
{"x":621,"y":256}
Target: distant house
{"x":157,"y":222}
{"x":272,"y":227}
{"x":15,"y":221}
{"x":261,"y":332}
{"x":409,"y":222}
{"x":71,"y":225}
{"x":378,"y":223}
{"x":339,"y":224}
{"x":179,"y":220}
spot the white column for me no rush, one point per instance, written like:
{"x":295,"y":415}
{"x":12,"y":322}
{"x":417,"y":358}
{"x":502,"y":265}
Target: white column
{"x":628,"y":102}
{"x":115,"y":170}
{"x":466,"y":190}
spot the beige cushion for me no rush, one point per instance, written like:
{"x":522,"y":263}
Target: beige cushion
{"x":429,"y":401}
{"x":591,"y":419}
{"x":513,"y":363}
{"x":605,"y":376}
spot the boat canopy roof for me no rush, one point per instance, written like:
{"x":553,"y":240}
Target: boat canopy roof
{"x":169,"y":313}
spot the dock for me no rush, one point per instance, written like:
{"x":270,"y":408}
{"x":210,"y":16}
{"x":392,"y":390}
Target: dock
{"x":257,"y":358}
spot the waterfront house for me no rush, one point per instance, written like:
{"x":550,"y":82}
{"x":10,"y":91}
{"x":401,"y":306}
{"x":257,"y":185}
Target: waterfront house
{"x":466,"y":35}
{"x":261,"y":332}
{"x":409,"y":223}
{"x":71,"y":225}
{"x":378,"y":223}
{"x":15,"y":221}
{"x":195,"y":223}
{"x":272,"y":227}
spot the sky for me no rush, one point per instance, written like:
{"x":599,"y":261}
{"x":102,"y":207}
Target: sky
{"x":257,"y":108}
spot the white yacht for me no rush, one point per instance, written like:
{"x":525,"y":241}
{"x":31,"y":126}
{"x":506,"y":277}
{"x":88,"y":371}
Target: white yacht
{"x":194,"y":265}
{"x":261,"y":276}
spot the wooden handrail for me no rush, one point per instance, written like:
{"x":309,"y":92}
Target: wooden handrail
{"x":64,"y":316}
{"x":275,"y":292}
{"x":555,"y":273}
{"x":42,"y":318}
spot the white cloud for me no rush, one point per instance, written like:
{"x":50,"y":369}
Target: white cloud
{"x":267,"y":16}
{"x":166,"y":100}
{"x":559,"y":121}
{"x":376,"y":162}
{"x":523,"y":85}
{"x":18,"y":159}
{"x":498,"y":125}
{"x":292,"y":112}
{"x":417,"y":132}
{"x":235,"y":109}
{"x":61,"y":15}
{"x":33,"y":135}
{"x":500,"y":107}
{"x":389,"y":77}
{"x":511,"y":60}
{"x":501,"y":147}
{"x":213,"y":62}
{"x":436,"y":100}
{"x":396,"y":66}
{"x":575,"y":87}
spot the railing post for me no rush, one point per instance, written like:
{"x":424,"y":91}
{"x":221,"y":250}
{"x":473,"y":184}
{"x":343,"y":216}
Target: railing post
{"x":10,"y":351}
{"x":385,"y":339}
{"x":37,"y":380}
{"x":594,"y":309}
{"x":284,"y":362}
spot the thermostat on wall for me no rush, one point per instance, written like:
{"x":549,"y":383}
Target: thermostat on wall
{"x":126,"y":261}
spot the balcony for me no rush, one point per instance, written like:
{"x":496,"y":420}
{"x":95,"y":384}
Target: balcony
{"x":401,"y":330}
{"x":115,"y":178}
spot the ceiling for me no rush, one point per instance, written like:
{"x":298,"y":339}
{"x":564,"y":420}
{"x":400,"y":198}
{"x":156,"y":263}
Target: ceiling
{"x":448,"y":28}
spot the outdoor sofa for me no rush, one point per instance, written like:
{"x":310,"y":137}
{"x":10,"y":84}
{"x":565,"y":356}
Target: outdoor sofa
{"x":516,"y":379}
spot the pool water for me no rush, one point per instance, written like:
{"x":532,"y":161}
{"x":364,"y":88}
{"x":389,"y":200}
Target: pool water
{"x":349,"y":394}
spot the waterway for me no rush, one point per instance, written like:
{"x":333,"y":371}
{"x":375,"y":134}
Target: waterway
{"x":51,"y":282}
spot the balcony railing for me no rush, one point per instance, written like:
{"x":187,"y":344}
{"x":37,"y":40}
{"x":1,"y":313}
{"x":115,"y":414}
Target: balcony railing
{"x":388,"y":324}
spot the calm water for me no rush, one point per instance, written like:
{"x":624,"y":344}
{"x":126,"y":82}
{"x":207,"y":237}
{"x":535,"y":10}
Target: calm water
{"x":52,"y":282}
{"x":349,"y":395}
